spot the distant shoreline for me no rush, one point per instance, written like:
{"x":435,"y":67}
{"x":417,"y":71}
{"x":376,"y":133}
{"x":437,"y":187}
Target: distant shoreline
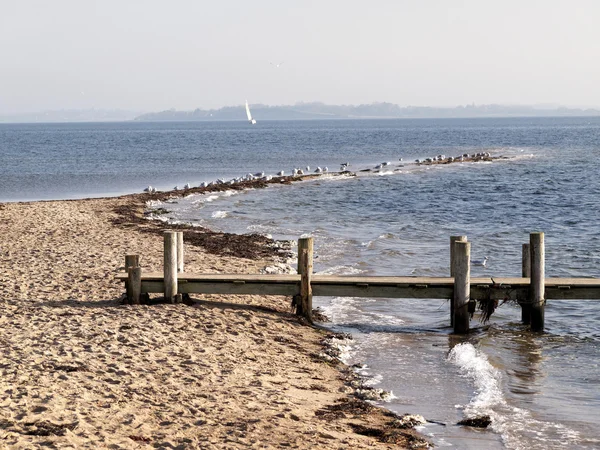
{"x":301,"y":120}
{"x":303,"y":111}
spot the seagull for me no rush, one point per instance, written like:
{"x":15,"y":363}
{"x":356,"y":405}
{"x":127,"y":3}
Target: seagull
{"x":480,"y":262}
{"x":276,"y":65}
{"x":187,"y":186}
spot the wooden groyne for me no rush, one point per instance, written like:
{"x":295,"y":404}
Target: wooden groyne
{"x":530,"y":291}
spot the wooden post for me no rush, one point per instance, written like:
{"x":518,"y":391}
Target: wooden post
{"x":180,"y":251}
{"x":170,"y":265}
{"x":526,"y":273}
{"x":453,"y":239}
{"x":305,"y":286}
{"x":305,"y":269}
{"x":537,"y":286}
{"x":135,"y":281}
{"x":462,"y":285}
{"x":130,"y":261}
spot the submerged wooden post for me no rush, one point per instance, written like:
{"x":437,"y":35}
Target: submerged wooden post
{"x":537,"y":286}
{"x":130,"y":261}
{"x":135,"y":281}
{"x":180,"y":251}
{"x":453,"y":239}
{"x":305,"y":269}
{"x":526,"y":273}
{"x":462,"y":285}
{"x":170,"y":265}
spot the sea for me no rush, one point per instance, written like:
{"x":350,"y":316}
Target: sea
{"x":541,"y":390}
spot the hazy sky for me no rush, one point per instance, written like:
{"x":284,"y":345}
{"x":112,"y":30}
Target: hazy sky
{"x":150,"y":55}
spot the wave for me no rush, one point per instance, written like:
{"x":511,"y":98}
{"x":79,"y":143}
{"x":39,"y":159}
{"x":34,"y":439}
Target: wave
{"x":219,"y":214}
{"x":517,"y":427}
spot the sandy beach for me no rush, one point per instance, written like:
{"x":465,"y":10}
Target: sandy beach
{"x":81,"y":370}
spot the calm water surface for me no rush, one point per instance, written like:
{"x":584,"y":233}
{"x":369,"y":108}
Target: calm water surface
{"x":541,"y":390}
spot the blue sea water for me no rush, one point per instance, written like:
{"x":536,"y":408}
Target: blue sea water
{"x":541,"y":390}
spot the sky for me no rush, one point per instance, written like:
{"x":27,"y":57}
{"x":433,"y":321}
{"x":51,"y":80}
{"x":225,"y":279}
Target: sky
{"x":150,"y":55}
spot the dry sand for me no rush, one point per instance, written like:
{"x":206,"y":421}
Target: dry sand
{"x":80,"y":370}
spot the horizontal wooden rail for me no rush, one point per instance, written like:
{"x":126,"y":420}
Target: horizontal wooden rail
{"x":510,"y":288}
{"x":531,"y":290}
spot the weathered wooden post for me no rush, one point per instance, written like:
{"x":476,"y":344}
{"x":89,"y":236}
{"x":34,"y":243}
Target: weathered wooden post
{"x":130,"y":261}
{"x":453,"y":239}
{"x":170,"y":265}
{"x":180,"y":251}
{"x":526,"y":273}
{"x":135,"y":281}
{"x":462,"y":285}
{"x":537,"y":286}
{"x":305,"y":269}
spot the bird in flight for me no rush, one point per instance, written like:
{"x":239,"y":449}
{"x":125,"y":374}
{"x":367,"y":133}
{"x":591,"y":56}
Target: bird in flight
{"x":276,"y":65}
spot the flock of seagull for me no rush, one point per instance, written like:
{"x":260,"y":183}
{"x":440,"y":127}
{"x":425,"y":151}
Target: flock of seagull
{"x":297,"y":171}
{"x":439,"y":158}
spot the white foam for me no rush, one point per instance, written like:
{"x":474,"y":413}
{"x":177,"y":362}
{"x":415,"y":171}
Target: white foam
{"x":370,"y":380}
{"x":511,"y":423}
{"x":219,"y":214}
{"x":486,"y":377}
{"x":343,"y":345}
{"x":209,"y":198}
{"x":340,"y":270}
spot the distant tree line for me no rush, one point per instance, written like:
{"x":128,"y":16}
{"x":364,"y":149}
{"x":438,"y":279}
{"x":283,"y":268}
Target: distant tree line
{"x":318,"y":110}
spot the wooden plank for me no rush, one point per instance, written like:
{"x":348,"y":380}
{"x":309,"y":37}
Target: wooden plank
{"x":513,"y":288}
{"x":190,"y":277}
{"x":381,"y":291}
{"x":207,"y":287}
{"x":383,"y":280}
{"x":575,"y":293}
{"x":336,"y":279}
{"x":477,"y":292}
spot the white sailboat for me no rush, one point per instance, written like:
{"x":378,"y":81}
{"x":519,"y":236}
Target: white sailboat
{"x":250,"y":119}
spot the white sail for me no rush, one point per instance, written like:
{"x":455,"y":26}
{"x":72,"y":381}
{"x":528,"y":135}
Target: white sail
{"x":250,"y":119}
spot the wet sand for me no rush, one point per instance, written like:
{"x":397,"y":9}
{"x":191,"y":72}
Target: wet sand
{"x":79,"y":369}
